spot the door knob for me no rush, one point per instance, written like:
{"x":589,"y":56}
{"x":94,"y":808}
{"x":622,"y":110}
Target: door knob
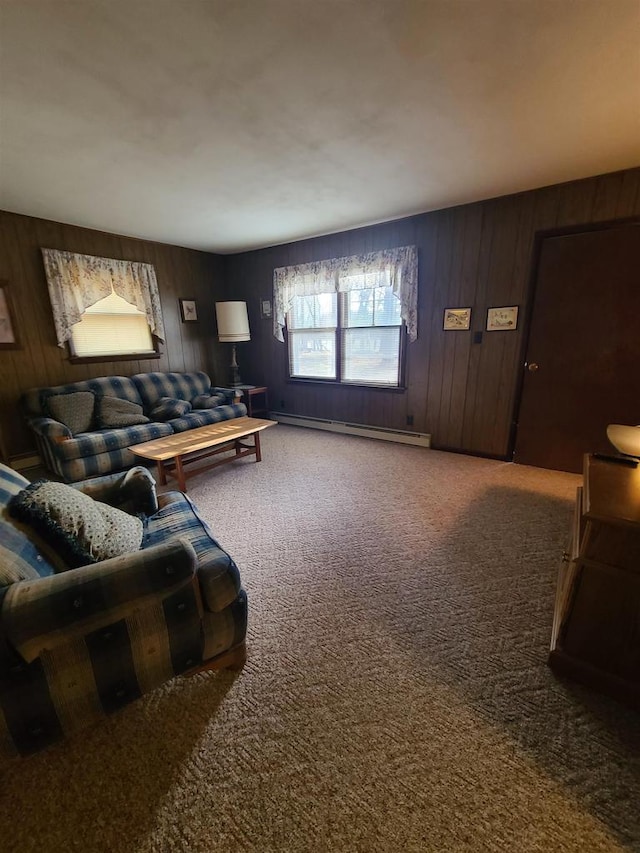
{"x":532,"y":366}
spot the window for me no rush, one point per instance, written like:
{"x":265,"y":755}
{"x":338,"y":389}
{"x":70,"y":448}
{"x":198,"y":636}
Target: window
{"x":353,"y":337}
{"x":110,"y":327}
{"x":104,"y":308}
{"x":347,"y":319}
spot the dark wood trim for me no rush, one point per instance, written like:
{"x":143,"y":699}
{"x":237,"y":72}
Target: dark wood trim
{"x":98,"y":359}
{"x":567,"y":230}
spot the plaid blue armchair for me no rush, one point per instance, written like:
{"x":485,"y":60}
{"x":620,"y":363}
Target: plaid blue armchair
{"x":80,"y":643}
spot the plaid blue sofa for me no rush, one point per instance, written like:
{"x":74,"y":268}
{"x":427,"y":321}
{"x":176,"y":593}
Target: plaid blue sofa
{"x":79,"y":644}
{"x":102,"y":451}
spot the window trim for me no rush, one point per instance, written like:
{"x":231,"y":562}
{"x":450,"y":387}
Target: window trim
{"x":338,"y":383}
{"x":134,"y":356}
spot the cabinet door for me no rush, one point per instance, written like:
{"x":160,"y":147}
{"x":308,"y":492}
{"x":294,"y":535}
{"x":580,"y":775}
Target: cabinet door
{"x":601,"y":627}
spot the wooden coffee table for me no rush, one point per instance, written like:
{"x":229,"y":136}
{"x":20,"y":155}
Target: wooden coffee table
{"x":173,"y":452}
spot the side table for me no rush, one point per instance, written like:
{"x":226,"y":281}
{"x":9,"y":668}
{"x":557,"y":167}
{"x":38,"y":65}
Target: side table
{"x":256,"y":400}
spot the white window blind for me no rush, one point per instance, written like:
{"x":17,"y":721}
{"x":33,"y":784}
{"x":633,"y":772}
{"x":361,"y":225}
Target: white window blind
{"x":111,"y":326}
{"x":352,"y":337}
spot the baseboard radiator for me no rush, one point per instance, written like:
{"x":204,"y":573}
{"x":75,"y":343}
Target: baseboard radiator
{"x":420,"y":439}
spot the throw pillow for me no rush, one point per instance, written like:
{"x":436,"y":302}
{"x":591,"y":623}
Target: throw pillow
{"x":167,"y":408}
{"x":74,"y":410}
{"x":80,"y":529}
{"x":112,"y":412}
{"x":208,"y":401}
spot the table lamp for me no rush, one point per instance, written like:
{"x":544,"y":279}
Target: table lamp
{"x":233,"y":327}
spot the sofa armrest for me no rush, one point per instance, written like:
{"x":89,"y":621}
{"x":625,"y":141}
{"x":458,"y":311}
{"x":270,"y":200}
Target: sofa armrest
{"x":133,"y":491}
{"x":232,"y":394}
{"x":39,"y":615}
{"x":50,"y":429}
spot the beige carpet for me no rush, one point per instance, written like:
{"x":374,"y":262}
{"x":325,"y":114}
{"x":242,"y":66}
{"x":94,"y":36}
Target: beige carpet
{"x":396,"y":696}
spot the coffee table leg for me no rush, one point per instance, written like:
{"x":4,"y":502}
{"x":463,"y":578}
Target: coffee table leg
{"x":258,"y":451}
{"x":162,"y":476}
{"x":180,"y":474}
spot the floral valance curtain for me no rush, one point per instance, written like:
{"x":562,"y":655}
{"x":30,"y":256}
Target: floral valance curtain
{"x":76,"y":282}
{"x":395,"y":268}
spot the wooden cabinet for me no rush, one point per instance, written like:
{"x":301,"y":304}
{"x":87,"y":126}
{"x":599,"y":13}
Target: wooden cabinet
{"x":596,"y":626}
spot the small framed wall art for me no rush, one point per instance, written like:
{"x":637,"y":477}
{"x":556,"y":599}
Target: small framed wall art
{"x":456,"y":318}
{"x":502,"y":319}
{"x":8,"y":331}
{"x":188,"y":310}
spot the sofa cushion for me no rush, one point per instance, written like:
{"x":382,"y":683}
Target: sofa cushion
{"x":80,"y":529}
{"x":181,"y":386}
{"x":112,"y":412}
{"x":108,"y":440}
{"x":204,"y":417}
{"x":168,"y":408}
{"x":75,"y":410}
{"x":208,"y":401}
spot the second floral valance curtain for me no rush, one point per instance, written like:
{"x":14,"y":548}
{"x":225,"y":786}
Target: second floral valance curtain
{"x":395,"y":268}
{"x":76,"y":282}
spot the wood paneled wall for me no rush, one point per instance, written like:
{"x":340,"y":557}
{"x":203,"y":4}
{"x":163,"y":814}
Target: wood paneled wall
{"x":40,"y":362}
{"x":477,"y":255}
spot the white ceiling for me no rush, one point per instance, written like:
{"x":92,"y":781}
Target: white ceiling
{"x":227,"y":125}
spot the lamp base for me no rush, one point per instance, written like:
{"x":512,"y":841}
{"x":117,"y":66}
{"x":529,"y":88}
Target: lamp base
{"x":235,"y":379}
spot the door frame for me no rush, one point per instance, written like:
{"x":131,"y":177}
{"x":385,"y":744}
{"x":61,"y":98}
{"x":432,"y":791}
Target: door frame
{"x":539,"y":237}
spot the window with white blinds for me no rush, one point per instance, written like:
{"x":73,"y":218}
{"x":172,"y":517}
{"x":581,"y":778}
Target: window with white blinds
{"x":353,"y":337}
{"x":109,"y":327}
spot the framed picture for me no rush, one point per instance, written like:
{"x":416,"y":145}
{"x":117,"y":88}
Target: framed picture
{"x":188,"y":310}
{"x":502,"y":319}
{"x":265,"y":309}
{"x":8,"y":330}
{"x":456,"y":318}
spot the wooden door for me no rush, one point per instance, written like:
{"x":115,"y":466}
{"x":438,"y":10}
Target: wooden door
{"x":582,"y":368}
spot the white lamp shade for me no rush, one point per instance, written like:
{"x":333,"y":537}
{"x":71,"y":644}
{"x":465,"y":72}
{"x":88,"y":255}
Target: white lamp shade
{"x":233,"y":322}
